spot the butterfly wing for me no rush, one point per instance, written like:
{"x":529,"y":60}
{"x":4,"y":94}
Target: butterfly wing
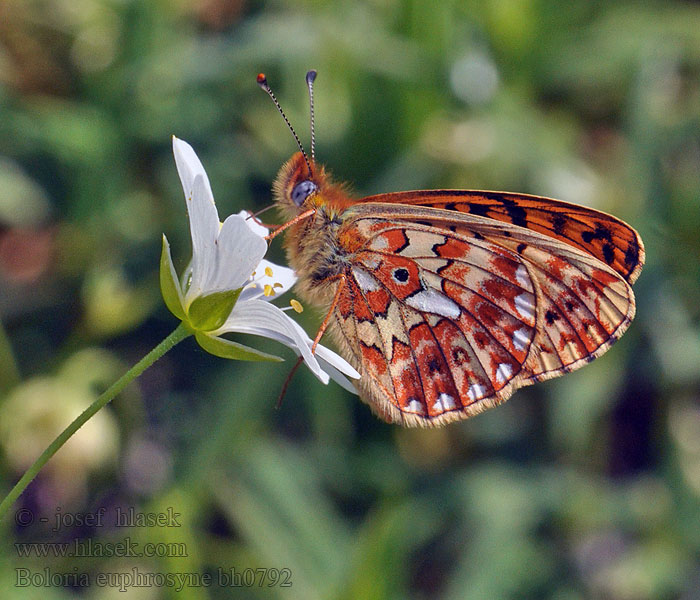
{"x":584,"y":306}
{"x":601,"y":235}
{"x":447,"y":312}
{"x":440,"y":324}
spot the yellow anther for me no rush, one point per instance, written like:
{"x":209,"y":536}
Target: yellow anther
{"x":268,"y":290}
{"x":268,"y":271}
{"x":277,"y":284}
{"x":296,"y":305}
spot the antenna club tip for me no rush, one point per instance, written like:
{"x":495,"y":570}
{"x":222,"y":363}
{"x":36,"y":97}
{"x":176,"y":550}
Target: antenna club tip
{"x":310,"y":76}
{"x":262,"y":80}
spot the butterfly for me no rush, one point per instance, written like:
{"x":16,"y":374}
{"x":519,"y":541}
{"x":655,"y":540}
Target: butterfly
{"x":447,"y":301}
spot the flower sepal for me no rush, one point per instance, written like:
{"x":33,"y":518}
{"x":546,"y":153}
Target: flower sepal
{"x":169,"y":284}
{"x":227,"y":349}
{"x":208,"y":313}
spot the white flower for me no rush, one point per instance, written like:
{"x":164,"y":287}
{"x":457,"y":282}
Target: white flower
{"x":227,"y":286}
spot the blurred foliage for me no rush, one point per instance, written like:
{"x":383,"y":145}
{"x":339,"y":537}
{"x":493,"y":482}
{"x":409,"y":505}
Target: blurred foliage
{"x":587,"y":486}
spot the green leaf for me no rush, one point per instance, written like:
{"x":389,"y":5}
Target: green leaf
{"x":228,"y":349}
{"x":169,"y":285}
{"x":210,"y":312}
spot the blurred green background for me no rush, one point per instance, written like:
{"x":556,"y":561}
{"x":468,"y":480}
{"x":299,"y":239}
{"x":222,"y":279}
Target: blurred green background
{"x":587,"y":486}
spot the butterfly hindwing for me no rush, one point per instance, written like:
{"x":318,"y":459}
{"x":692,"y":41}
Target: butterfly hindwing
{"x":441,"y":322}
{"x":584,"y":305}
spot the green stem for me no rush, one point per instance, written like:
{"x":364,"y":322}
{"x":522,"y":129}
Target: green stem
{"x":175,"y":337}
{"x":9,"y":372}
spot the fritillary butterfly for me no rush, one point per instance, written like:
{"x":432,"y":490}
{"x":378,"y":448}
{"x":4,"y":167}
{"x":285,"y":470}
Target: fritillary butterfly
{"x":447,"y":301}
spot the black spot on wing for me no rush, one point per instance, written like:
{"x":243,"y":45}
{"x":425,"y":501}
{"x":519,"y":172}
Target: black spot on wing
{"x":460,"y":356}
{"x":479,"y":209}
{"x":632,"y":254}
{"x":609,"y":253}
{"x":601,"y":233}
{"x":400,"y":275}
{"x":558,"y":223}
{"x":516,"y":214}
{"x":550,"y":316}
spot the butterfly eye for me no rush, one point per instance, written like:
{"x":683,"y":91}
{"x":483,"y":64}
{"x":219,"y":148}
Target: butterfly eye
{"x":302,"y":191}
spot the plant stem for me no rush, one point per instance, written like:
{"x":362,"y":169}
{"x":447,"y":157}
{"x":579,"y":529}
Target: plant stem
{"x":168,"y":343}
{"x":9,"y":371}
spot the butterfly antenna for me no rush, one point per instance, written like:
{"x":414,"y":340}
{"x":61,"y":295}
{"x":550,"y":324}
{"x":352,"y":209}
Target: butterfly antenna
{"x":262,"y":82}
{"x":310,"y":77}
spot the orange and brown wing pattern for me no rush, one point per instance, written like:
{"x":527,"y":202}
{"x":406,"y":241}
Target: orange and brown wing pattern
{"x":449,"y":313}
{"x":584,"y":306}
{"x":440,"y":323}
{"x":603,"y":236}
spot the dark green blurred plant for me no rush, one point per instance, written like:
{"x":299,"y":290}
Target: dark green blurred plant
{"x":586,"y":486}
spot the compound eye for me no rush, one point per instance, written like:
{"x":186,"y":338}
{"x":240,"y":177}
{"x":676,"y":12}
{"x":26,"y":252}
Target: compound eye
{"x":302,"y":191}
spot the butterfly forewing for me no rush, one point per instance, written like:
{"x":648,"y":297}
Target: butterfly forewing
{"x":603,"y":236}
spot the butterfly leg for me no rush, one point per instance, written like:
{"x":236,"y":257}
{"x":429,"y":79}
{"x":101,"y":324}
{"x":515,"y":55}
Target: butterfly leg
{"x":294,"y":221}
{"x":285,"y":385}
{"x":342,"y":282}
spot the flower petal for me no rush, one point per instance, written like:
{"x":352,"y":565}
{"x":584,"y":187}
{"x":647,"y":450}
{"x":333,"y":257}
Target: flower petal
{"x":253,"y":223}
{"x":188,"y":167}
{"x":337,"y":367}
{"x":204,"y":230}
{"x":186,"y":278}
{"x":336,"y":361}
{"x":238,"y":253}
{"x":258,"y":317}
{"x":334,"y":374}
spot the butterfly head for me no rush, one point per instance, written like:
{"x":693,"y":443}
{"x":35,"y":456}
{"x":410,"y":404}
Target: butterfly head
{"x":297,"y":188}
